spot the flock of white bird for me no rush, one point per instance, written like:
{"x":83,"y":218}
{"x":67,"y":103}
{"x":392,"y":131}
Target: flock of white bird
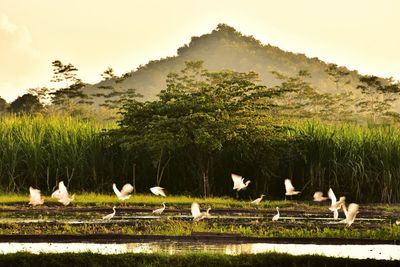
{"x":350,"y":211}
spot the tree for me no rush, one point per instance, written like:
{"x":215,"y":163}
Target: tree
{"x":199,"y":111}
{"x":379,"y":94}
{"x":42,"y":93}
{"x":64,"y":73}
{"x":72,"y":92}
{"x":114,"y":95}
{"x":26,"y":104}
{"x":3,"y":105}
{"x":108,"y":74}
{"x":337,"y":74}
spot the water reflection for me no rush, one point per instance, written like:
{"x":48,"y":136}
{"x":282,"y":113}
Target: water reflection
{"x":386,"y":252}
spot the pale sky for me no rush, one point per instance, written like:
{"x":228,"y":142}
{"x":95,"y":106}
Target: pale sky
{"x":122,"y":34}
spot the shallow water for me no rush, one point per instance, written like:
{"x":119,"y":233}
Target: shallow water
{"x":380,"y":252}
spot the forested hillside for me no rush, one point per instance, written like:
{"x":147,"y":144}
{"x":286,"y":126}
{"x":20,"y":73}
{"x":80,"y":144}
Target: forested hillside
{"x":226,"y":48}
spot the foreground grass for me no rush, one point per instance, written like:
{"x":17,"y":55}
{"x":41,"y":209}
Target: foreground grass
{"x":193,"y":259}
{"x":92,"y":199}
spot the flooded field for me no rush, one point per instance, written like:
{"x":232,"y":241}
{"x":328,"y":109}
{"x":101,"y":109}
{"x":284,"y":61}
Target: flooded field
{"x":374,"y":234}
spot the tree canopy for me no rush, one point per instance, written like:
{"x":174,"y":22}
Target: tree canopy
{"x":200,"y":111}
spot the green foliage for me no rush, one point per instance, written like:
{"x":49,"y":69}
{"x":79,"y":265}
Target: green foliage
{"x":25,"y":104}
{"x":200,"y":112}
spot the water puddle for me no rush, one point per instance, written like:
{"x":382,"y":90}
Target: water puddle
{"x":380,"y":252}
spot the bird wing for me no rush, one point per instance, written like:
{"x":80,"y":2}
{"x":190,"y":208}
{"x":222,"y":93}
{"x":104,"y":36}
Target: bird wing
{"x":332,"y":196}
{"x":195,"y":209}
{"x":237,"y":180}
{"x":126,"y":189}
{"x":352,"y":211}
{"x":318,"y":195}
{"x":116,"y":191}
{"x":62,"y":188}
{"x":158,"y":191}
{"x":288,"y":185}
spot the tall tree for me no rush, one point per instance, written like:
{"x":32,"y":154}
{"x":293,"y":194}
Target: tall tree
{"x":199,"y":111}
{"x":72,"y":93}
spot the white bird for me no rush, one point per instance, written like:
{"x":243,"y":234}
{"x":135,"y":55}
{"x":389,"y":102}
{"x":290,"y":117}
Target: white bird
{"x":125,"y":192}
{"x":62,"y":194}
{"x":276,"y":217}
{"x":335,"y":205}
{"x":351,"y":213}
{"x":35,"y":197}
{"x":109,"y":216}
{"x":257,"y":200}
{"x":238,"y":182}
{"x":319,"y":196}
{"x":158,"y":191}
{"x":160,"y":210}
{"x":398,"y":222}
{"x":290,"y":188}
{"x":197,"y":215}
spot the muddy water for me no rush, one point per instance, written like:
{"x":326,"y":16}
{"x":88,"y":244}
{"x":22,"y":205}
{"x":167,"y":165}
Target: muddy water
{"x":381,"y":252}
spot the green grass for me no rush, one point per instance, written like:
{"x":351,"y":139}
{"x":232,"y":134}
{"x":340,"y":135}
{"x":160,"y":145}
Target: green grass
{"x":93,"y":199}
{"x":191,"y":260}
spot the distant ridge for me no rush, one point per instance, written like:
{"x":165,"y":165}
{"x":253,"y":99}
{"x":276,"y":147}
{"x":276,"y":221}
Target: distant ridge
{"x":226,"y":48}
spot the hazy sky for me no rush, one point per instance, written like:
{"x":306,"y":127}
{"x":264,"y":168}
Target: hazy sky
{"x":95,"y":34}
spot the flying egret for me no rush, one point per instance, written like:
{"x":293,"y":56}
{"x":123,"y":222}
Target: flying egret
{"x":257,"y":200}
{"x":238,"y":182}
{"x":160,"y":210}
{"x":197,"y":215}
{"x":276,"y":217}
{"x":158,"y":191}
{"x":109,"y":216}
{"x":35,"y":197}
{"x":125,"y":192}
{"x":319,"y":196}
{"x":335,"y":205}
{"x":350,"y":212}
{"x":62,"y":194}
{"x":290,"y":188}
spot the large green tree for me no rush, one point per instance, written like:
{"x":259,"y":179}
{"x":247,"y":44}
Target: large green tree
{"x":199,"y":112}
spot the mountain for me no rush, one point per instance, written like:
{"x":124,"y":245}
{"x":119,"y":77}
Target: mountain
{"x":226,"y":48}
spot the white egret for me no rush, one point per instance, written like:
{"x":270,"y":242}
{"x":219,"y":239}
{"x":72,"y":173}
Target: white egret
{"x":35,"y":197}
{"x":350,"y":212}
{"x":335,"y":205}
{"x":160,"y":210}
{"x":158,"y":191}
{"x":398,"y":222}
{"x":276,"y":217}
{"x":109,"y":216}
{"x":62,"y":194}
{"x":290,"y":191}
{"x":319,"y":196}
{"x":197,"y":215}
{"x":238,"y":182}
{"x":125,"y":192}
{"x":257,"y":200}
